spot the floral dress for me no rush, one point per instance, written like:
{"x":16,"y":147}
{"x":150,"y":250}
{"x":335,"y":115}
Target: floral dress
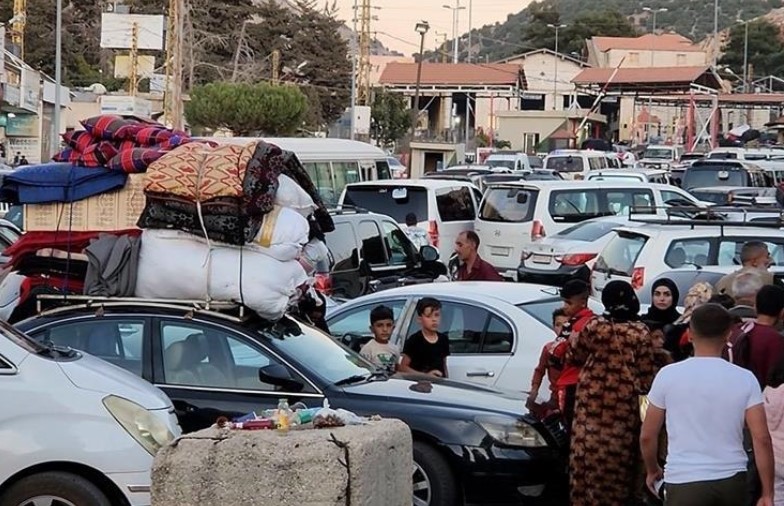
{"x":617,"y":365}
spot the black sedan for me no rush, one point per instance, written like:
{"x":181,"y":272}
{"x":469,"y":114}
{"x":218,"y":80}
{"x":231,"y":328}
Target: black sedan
{"x":471,"y":444}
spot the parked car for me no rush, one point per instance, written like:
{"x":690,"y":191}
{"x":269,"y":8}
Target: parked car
{"x":731,"y":173}
{"x":370,"y":252}
{"x":568,"y":254}
{"x":575,"y":164}
{"x":642,"y":252}
{"x":443,"y":208}
{"x":657,"y":176}
{"x":513,"y":216}
{"x":75,"y":430}
{"x":514,"y":161}
{"x":496,"y":330}
{"x":471,"y":443}
{"x":660,"y":157}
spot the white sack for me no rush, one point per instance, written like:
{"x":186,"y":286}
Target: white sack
{"x":282,"y":235}
{"x":174,"y":265}
{"x":314,"y":252}
{"x":291,"y":195}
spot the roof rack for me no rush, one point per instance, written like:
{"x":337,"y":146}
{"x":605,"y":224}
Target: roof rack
{"x":223,"y":309}
{"x":694,"y":216}
{"x":348,"y":208}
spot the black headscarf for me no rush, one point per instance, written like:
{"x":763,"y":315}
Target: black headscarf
{"x":620,"y":302}
{"x":664,"y":316}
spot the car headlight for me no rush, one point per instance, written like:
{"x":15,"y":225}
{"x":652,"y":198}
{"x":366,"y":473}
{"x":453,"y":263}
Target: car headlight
{"x":512,"y":432}
{"x":143,"y":426}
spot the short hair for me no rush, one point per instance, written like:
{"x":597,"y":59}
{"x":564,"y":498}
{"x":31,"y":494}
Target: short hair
{"x":471,"y":236}
{"x":724,"y":300}
{"x":426,"y":303}
{"x":747,"y":285}
{"x":770,"y":300}
{"x":411,"y":220}
{"x":575,"y":288}
{"x":710,"y":321}
{"x":381,"y":313}
{"x":752,"y":250}
{"x":558,"y":313}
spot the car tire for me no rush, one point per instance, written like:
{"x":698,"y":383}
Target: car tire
{"x":64,"y":487}
{"x":432,"y":470}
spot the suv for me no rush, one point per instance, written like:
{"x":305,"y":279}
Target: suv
{"x":640,"y":253}
{"x":660,"y":157}
{"x":731,"y":173}
{"x":513,"y":161}
{"x":443,"y":208}
{"x":513,"y":216}
{"x":227,"y":363}
{"x":369,"y":252}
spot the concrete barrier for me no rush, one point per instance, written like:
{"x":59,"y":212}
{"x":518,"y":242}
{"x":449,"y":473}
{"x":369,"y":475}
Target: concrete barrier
{"x":365,"y":465}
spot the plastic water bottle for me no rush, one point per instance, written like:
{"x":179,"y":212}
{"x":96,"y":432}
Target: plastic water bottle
{"x":284,"y":416}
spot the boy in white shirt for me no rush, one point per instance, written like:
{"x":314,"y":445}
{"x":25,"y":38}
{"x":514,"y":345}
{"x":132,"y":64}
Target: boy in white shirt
{"x":378,"y":351}
{"x":706,"y":401}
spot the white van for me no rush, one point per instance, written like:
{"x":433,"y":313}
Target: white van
{"x":443,"y":207}
{"x":575,"y":164}
{"x":516,"y":162}
{"x":75,"y":430}
{"x":330,"y":163}
{"x":514,"y":215}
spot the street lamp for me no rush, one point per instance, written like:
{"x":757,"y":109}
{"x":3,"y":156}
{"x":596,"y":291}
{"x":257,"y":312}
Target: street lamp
{"x":715,"y":31}
{"x":653,"y":51}
{"x":555,"y":79}
{"x":421,"y":28}
{"x":745,"y":53}
{"x":455,"y":13}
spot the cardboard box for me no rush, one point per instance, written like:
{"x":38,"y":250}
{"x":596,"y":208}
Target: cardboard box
{"x":117,"y":210}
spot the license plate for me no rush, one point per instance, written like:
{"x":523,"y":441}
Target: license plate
{"x":540,"y":259}
{"x":500,"y":252}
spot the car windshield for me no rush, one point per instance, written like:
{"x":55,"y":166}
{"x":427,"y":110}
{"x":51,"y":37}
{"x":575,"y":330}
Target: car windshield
{"x":588,"y":231}
{"x":620,"y":254}
{"x":393,"y":201}
{"x":567,"y":163}
{"x":507,"y":163}
{"x":315,"y":352}
{"x":658,"y":153}
{"x":508,"y":205}
{"x":698,"y":177}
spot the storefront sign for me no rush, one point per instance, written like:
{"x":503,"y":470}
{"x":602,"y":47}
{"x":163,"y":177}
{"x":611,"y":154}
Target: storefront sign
{"x":23,"y":125}
{"x":29,"y":147}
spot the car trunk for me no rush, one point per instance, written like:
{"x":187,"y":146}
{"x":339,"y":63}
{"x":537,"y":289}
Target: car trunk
{"x":506,"y":225}
{"x":618,"y":261}
{"x":549,"y":254}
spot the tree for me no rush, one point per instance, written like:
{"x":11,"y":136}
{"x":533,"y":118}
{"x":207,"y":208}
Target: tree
{"x":390,"y":117}
{"x":247,"y":109}
{"x":535,"y":32}
{"x":765,"y":49}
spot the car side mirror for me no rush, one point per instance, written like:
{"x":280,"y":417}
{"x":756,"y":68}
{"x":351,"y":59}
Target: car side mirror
{"x":429,"y":254}
{"x":355,"y":341}
{"x":279,"y":376}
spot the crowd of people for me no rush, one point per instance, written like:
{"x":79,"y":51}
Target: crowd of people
{"x":699,"y":392}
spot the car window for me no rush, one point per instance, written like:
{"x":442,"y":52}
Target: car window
{"x":319,"y":173}
{"x":357,"y":320}
{"x":456,"y":205}
{"x":688,"y":252}
{"x":620,"y":202}
{"x":535,"y":162}
{"x":729,"y":251}
{"x":204,"y":356}
{"x":499,"y":337}
{"x":393,"y":201}
{"x":565,"y":163}
{"x":575,"y":205}
{"x":373,"y":247}
{"x":714,"y":176}
{"x":345,"y":173}
{"x":620,"y":254}
{"x":400,"y":249}
{"x":463,"y":324}
{"x":509,"y":205}
{"x":118,"y":341}
{"x":588,"y":231}
{"x":343,"y":246}
{"x":673,"y":196}
{"x":383,"y":171}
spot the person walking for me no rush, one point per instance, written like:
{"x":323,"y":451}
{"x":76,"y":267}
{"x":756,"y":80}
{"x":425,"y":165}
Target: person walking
{"x":664,"y":303}
{"x":706,"y":401}
{"x":773,"y":397}
{"x":472,"y":267}
{"x":616,"y":355}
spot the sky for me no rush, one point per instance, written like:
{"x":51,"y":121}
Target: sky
{"x":397,"y":18}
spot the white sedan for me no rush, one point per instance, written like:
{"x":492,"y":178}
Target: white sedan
{"x":496,"y":330}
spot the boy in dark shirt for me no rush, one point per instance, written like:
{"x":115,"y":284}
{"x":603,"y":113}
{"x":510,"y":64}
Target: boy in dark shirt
{"x":426,"y":351}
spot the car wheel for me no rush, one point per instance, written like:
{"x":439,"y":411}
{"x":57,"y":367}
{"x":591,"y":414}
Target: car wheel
{"x":434,"y":483}
{"x":54,"y":489}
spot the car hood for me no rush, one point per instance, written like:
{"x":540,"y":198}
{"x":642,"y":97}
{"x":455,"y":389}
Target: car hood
{"x":444,"y":393}
{"x":93,"y":374}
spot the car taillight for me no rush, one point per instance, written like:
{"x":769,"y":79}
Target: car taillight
{"x":638,"y":277}
{"x":432,"y":233}
{"x":537,"y":231}
{"x":323,"y":283}
{"x":577,"y":258}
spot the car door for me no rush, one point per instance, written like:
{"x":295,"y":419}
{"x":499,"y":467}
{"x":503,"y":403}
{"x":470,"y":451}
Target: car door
{"x":347,"y":280}
{"x":481,"y":341}
{"x":209,"y":371}
{"x":352,"y":326}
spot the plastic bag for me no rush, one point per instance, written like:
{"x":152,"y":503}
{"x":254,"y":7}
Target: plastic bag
{"x":328,"y":417}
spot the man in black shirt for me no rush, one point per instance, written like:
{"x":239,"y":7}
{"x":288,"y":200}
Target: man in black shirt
{"x":426,"y":351}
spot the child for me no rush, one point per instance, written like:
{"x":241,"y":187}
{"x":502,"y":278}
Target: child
{"x":416,"y":234}
{"x":547,"y":363}
{"x":378,"y":351}
{"x":426,"y":351}
{"x":661,"y":357}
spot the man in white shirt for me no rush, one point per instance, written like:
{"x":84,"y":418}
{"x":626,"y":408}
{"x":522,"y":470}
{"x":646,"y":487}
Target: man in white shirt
{"x":706,"y":402}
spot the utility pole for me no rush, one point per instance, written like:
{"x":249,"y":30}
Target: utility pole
{"x":557,"y":57}
{"x":421,"y":28}
{"x":363,"y":72}
{"x":470,"y":28}
{"x":455,"y":26}
{"x":18,"y":27}
{"x":653,"y":50}
{"x":746,"y":58}
{"x":172,"y":99}
{"x":715,"y":32}
{"x":134,"y":70}
{"x":58,"y":75}
{"x":275,"y":66}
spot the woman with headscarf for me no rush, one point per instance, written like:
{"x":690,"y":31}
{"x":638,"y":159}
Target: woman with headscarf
{"x":664,"y":303}
{"x":616,"y":355}
{"x":676,"y":337}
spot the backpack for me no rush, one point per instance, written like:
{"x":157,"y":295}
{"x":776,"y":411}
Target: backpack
{"x":739,"y":352}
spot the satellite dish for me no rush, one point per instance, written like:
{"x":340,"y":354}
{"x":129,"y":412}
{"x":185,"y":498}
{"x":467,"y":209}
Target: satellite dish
{"x":98,"y":89}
